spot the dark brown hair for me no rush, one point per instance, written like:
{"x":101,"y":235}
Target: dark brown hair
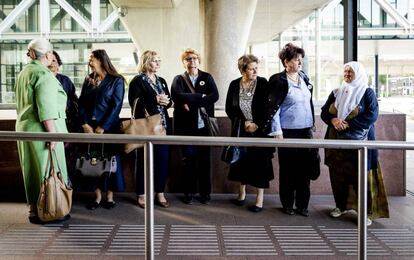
{"x":290,"y":51}
{"x":103,"y":57}
{"x":245,"y":60}
{"x":59,"y":61}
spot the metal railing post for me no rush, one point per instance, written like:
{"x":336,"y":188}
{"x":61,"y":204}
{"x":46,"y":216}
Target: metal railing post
{"x":362,"y":203}
{"x":149,"y":202}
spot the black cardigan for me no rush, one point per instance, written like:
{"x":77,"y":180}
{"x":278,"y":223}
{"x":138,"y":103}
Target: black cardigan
{"x":234,"y":112}
{"x":140,"y":88}
{"x":278,"y":89}
{"x":186,"y":122}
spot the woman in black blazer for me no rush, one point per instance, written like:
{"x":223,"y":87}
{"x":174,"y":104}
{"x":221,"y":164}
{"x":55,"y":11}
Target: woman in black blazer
{"x":100,"y":103}
{"x":245,"y":106}
{"x":151,"y":93}
{"x":291,"y":115}
{"x":191,"y":91}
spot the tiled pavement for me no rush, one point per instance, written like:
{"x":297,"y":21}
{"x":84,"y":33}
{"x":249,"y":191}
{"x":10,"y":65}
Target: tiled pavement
{"x":216,"y":231}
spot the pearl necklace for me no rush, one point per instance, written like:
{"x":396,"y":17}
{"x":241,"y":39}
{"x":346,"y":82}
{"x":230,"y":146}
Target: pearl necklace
{"x":292,"y":78}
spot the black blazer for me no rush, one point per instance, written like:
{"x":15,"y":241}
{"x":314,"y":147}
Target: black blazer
{"x":140,"y":88}
{"x":278,"y":89}
{"x":186,"y":122}
{"x":234,"y":112}
{"x":102,"y":104}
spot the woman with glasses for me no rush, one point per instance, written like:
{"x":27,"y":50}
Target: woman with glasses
{"x":100,"y":103}
{"x":150,"y":92}
{"x":246,"y":106}
{"x":291,"y":115}
{"x":191,"y":91}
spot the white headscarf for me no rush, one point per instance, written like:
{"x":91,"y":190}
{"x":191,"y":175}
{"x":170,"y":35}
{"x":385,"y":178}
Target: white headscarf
{"x":350,"y":94}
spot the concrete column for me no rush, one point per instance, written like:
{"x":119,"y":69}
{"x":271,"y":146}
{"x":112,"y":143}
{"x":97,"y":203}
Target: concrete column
{"x":227,"y":28}
{"x":317,"y":90}
{"x":280,"y":48}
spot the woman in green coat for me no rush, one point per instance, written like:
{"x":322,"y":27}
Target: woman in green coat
{"x":40,"y":105}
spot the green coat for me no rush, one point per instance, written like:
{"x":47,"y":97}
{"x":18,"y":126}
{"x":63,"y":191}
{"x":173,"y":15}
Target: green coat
{"x":39,"y":97}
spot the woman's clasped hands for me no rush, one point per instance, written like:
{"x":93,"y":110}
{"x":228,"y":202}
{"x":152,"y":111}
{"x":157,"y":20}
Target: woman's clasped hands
{"x":250,"y":126}
{"x":339,"y":124}
{"x":163,"y":99}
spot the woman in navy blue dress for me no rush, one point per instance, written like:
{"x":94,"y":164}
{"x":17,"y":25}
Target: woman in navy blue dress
{"x":100,"y":103}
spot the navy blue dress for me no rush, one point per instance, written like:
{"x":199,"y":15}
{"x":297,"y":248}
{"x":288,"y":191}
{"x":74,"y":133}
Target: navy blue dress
{"x":100,"y":106}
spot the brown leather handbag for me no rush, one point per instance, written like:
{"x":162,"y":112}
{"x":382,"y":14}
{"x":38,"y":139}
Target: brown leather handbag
{"x":55,"y":197}
{"x":150,"y":125}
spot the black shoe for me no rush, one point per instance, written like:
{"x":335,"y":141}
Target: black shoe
{"x":238,"y":202}
{"x":109,"y":204}
{"x":188,"y":198}
{"x":303,"y":212}
{"x":93,"y":205}
{"x":288,"y":211}
{"x":35,"y":220}
{"x":56,"y":221}
{"x":255,"y":209}
{"x":205,"y":199}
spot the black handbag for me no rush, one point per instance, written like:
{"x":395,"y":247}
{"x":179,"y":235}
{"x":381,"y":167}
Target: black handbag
{"x":232,"y":154}
{"x":210,"y":122}
{"x":95,"y":165}
{"x":314,"y":164}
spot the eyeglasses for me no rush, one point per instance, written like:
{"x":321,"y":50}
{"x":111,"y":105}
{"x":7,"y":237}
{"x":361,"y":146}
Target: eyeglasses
{"x":191,"y":58}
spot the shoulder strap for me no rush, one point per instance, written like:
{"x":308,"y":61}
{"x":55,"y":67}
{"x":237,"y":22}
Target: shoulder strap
{"x":189,"y":85}
{"x":134,"y":106}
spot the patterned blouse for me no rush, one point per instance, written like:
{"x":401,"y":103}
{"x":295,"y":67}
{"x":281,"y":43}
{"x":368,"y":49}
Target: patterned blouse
{"x":158,"y":88}
{"x":245,"y":99}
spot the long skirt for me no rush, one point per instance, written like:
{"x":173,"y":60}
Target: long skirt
{"x":255,"y":169}
{"x":343,"y":172}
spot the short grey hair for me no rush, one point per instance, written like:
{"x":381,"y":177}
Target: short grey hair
{"x":40,"y":47}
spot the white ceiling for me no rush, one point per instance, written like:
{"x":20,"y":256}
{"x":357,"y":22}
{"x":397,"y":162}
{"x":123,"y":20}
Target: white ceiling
{"x":275,"y":16}
{"x":147,"y":3}
{"x":271,"y":16}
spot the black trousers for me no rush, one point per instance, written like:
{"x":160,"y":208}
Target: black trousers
{"x":196,"y":167}
{"x":294,"y":181}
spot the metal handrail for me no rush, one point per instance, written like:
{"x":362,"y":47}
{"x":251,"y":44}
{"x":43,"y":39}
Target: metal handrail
{"x":361,"y":146}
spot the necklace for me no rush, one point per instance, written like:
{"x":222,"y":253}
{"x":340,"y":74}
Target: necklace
{"x":293,"y":78}
{"x":249,"y":88}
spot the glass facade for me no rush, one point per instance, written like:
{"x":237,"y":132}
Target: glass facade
{"x":395,"y":56}
{"x":74,"y":52}
{"x":372,"y":19}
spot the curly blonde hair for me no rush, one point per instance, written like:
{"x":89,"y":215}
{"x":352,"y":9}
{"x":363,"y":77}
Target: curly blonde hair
{"x":188,"y":52}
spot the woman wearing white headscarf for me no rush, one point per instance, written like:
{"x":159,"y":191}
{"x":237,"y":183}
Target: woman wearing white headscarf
{"x":350,"y":113}
{"x":40,"y":106}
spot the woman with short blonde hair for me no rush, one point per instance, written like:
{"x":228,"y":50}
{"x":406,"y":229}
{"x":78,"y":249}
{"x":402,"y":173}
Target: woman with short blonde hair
{"x":187,"y":52}
{"x":192,"y":91}
{"x":152,"y":95}
{"x":145,"y":61}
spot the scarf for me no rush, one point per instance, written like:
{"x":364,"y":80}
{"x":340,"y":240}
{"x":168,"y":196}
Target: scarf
{"x":349,"y":95}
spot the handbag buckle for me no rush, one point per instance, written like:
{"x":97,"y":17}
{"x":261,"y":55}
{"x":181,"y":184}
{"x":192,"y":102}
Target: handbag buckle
{"x":94,"y":161}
